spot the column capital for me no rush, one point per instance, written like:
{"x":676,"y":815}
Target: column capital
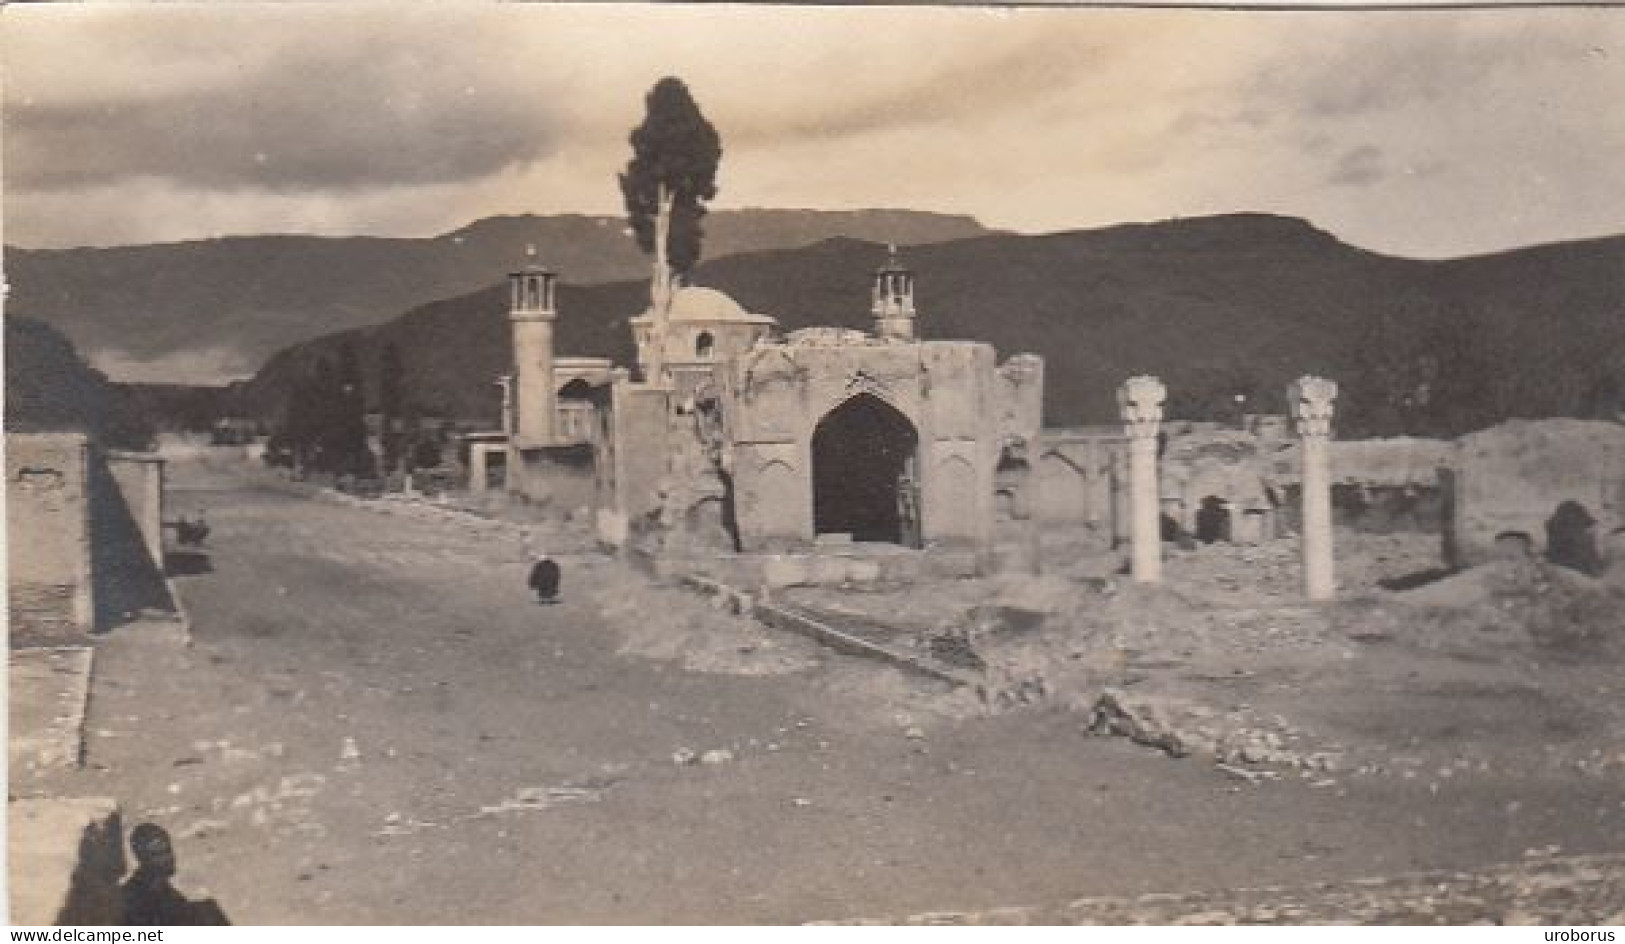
{"x":1311,"y":401}
{"x":1140,"y":399}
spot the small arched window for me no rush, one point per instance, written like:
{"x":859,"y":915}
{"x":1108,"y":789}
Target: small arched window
{"x":704,"y":345}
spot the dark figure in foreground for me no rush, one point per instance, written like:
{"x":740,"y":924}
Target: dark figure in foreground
{"x":148,"y":898}
{"x":544,"y":579}
{"x":1571,"y":540}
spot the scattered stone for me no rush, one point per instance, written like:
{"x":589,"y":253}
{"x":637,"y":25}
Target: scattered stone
{"x":201,"y":828}
{"x":1552,"y":891}
{"x":1141,"y":720}
{"x":542,"y":798}
{"x":1250,"y":776}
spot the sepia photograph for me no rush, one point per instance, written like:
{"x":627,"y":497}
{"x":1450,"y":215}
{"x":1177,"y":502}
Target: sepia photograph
{"x":521,"y":464}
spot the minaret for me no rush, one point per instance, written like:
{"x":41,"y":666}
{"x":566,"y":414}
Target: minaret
{"x":531,"y":309}
{"x":894,"y":299}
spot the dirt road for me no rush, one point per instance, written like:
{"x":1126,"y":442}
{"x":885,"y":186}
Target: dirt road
{"x":374,"y":724}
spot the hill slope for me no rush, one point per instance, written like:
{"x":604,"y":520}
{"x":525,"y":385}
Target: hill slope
{"x":49,"y":388}
{"x":1217,"y":306}
{"x":205,"y":311}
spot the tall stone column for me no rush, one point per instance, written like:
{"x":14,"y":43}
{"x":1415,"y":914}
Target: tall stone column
{"x":1311,"y":399}
{"x":1141,"y":399}
{"x":477,"y":469}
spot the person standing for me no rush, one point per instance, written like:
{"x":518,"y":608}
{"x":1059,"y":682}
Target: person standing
{"x":544,"y":579}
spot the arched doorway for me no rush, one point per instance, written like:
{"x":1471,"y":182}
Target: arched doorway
{"x":865,"y":477}
{"x":1571,"y":539}
{"x":576,"y":389}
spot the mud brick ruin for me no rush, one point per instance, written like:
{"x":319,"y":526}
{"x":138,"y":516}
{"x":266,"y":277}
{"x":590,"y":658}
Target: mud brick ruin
{"x":831,"y":454}
{"x":738,"y":440}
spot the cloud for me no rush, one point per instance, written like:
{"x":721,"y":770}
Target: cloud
{"x":1358,"y":167}
{"x":204,"y":366}
{"x":1390,"y":60}
{"x":1399,"y":131}
{"x":340,"y":109}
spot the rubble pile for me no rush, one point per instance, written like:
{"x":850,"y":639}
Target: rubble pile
{"x":1227,"y":574}
{"x":670,"y":625}
{"x":1519,"y":603}
{"x":1235,"y":738}
{"x":1057,"y":666}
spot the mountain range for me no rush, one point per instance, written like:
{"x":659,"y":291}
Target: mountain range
{"x":1226,"y":309}
{"x":210,"y":310}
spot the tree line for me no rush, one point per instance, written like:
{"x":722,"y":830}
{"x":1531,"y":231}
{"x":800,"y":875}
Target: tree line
{"x":323,"y":427}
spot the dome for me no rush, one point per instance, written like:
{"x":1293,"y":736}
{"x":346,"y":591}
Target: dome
{"x":693,"y":303}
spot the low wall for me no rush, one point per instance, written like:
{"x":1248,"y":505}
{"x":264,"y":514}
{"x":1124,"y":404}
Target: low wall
{"x":789,"y":618}
{"x":48,"y":533}
{"x":563,"y":478}
{"x":140,"y":480}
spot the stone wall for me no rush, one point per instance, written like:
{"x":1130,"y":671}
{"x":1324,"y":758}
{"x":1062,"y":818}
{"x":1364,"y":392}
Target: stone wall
{"x":1512,"y":477}
{"x":140,"y":481}
{"x":48,"y":531}
{"x":127,"y":575}
{"x":1230,"y":465}
{"x":561,"y":478}
{"x":639,"y":447}
{"x":1381,"y":484}
{"x":1401,"y":462}
{"x":1075,"y":476}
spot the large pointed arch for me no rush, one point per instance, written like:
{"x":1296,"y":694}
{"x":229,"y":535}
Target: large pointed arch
{"x":865,"y":457}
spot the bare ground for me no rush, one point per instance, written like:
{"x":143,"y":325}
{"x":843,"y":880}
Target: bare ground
{"x":374,"y":724}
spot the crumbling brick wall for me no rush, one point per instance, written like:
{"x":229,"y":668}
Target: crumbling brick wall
{"x":1512,"y":477}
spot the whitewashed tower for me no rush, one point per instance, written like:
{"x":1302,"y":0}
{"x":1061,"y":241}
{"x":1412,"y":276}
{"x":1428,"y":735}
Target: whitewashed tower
{"x":532,"y":308}
{"x":894,"y":299}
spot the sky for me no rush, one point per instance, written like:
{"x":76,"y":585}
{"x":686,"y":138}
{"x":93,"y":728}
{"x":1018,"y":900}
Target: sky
{"x":1418,"y":133}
